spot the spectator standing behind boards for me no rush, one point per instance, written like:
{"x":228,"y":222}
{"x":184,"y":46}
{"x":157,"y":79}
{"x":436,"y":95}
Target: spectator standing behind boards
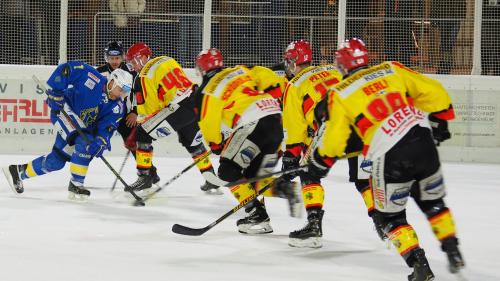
{"x":490,"y":38}
{"x":397,"y":29}
{"x":448,"y":19}
{"x":125,"y":6}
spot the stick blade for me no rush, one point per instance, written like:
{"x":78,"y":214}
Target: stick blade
{"x":184,"y":230}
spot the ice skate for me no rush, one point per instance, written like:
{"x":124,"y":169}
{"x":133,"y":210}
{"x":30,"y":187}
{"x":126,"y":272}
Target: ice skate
{"x":154,"y":175}
{"x":143,"y":184}
{"x":211,"y":189}
{"x":13,"y":175}
{"x":290,"y":191}
{"x":77,"y":193}
{"x":257,"y":222}
{"x":455,"y":260}
{"x":421,"y":269}
{"x":310,"y":235}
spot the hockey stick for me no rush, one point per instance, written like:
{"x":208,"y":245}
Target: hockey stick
{"x":86,"y":139}
{"x":121,"y":169}
{"x":184,"y":230}
{"x":174,"y":178}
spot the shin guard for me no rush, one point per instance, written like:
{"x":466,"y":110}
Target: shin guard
{"x":313,"y":195}
{"x":442,"y":225}
{"x":405,"y":239}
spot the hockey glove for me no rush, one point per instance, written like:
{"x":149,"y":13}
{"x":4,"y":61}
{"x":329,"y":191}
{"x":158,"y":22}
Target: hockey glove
{"x":291,"y":161}
{"x":55,"y":99}
{"x":131,"y":141}
{"x":97,"y":146}
{"x":440,"y":130}
{"x":318,"y":167}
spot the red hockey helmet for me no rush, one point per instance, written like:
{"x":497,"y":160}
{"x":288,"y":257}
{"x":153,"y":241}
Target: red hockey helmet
{"x":208,"y":60}
{"x":137,"y":56}
{"x":138,"y":49}
{"x":352,"y":54}
{"x":298,"y":52}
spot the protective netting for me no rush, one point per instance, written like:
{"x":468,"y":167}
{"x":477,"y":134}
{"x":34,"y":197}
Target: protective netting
{"x":29,"y":32}
{"x":170,"y":28}
{"x":433,"y":36}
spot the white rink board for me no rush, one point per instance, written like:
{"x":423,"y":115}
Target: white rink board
{"x":24,"y":126}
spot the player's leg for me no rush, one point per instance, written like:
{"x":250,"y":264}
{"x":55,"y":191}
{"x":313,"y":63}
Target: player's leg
{"x":129,"y":136}
{"x":393,"y":175}
{"x":144,"y":161}
{"x":428,"y":193}
{"x":313,"y":196}
{"x":237,"y":156}
{"x":80,"y":160}
{"x":53,"y":161}
{"x":184,"y":123}
{"x":264,"y":142}
{"x":280,"y":188}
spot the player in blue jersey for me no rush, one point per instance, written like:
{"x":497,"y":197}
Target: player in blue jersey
{"x":95,"y":105}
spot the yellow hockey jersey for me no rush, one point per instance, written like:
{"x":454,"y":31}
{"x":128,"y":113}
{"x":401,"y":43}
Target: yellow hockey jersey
{"x":232,"y":98}
{"x":382,"y":103}
{"x":268,"y":81}
{"x":302,"y":94}
{"x":162,"y":79}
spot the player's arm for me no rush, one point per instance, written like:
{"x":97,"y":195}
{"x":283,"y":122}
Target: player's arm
{"x":66,"y":74}
{"x":211,"y":119}
{"x":293,"y":117}
{"x":334,"y":140}
{"x":427,"y":93}
{"x":109,"y":117}
{"x":268,"y":81}
{"x":430,"y":96}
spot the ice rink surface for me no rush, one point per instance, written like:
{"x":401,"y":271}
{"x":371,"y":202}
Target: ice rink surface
{"x":44,"y":236}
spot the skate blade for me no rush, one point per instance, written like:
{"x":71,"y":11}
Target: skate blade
{"x":456,"y":269}
{"x":77,"y":197}
{"x":313,"y":242}
{"x":9,"y":179}
{"x":261,"y":228}
{"x":214,"y":191}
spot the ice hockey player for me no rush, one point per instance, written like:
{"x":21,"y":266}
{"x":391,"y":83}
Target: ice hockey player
{"x":162,"y":99}
{"x":115,"y":58}
{"x":95,"y":105}
{"x":386,"y":105}
{"x":305,"y":90}
{"x":230,"y":97}
{"x":305,"y":100}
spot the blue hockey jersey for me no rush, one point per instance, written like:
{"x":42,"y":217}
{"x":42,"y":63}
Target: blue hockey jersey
{"x":84,"y":91}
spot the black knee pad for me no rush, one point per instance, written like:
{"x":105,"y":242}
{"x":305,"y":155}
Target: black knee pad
{"x":142,"y":136}
{"x":391,"y":221}
{"x":306,"y":179}
{"x":361,"y":185}
{"x":432,"y":208}
{"x":144,"y":146}
{"x":229,"y":171}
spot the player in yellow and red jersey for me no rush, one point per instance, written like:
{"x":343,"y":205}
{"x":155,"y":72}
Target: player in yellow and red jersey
{"x":230,"y":97}
{"x":162,"y":100}
{"x":305,"y":90}
{"x":387,"y":104}
{"x":303,"y":101}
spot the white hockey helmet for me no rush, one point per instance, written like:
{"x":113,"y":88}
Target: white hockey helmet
{"x":122,"y":79}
